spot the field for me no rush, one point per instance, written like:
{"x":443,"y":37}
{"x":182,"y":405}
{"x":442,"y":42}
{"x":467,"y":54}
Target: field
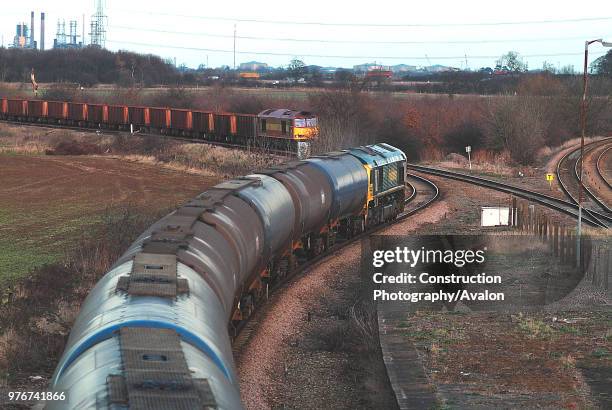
{"x":48,"y":202}
{"x":292,"y":94}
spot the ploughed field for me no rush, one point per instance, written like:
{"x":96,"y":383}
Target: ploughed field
{"x":47,"y":203}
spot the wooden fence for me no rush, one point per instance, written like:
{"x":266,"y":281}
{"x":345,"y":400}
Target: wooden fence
{"x":595,"y":250}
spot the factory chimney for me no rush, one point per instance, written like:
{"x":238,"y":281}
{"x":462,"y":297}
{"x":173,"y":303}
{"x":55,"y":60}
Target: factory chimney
{"x":32,"y":42}
{"x":42,"y":31}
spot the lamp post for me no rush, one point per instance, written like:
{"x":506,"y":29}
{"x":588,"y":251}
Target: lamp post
{"x":583,"y":113}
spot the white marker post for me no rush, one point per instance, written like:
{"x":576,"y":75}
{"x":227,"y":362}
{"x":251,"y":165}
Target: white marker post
{"x":468,"y":149}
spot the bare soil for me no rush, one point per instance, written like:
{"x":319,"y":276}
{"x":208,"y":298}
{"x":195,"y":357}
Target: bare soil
{"x":48,"y":202}
{"x":484,"y":359}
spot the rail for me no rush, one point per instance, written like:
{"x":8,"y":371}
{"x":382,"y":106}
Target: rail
{"x":566,"y":207}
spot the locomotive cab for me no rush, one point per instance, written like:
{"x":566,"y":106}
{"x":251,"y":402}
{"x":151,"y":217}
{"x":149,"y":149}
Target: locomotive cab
{"x":386,"y":167}
{"x":288,"y":129}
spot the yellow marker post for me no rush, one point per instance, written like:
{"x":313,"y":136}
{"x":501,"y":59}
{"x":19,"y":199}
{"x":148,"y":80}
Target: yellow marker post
{"x":550,"y":177}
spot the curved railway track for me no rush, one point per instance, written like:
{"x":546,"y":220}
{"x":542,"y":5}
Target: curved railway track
{"x":568,"y":164}
{"x":428,"y":188}
{"x":593,"y":218}
{"x":598,"y":166}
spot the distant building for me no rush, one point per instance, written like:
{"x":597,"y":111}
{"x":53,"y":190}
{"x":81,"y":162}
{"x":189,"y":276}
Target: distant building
{"x":329,"y":70}
{"x":249,"y":75}
{"x":253,"y":66}
{"x":379,"y":75}
{"x":403,"y":68}
{"x":438,"y":68}
{"x":362,"y":68}
{"x":22,"y":38}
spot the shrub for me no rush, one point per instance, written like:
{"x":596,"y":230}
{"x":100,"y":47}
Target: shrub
{"x":516,"y":125}
{"x":73,"y":147}
{"x":466,"y":133}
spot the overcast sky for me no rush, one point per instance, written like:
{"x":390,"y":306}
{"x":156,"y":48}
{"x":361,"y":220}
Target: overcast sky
{"x":447,"y":32}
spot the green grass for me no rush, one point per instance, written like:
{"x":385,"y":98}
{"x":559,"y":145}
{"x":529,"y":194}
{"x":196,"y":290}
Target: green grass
{"x":30,"y":240}
{"x":534,"y":328}
{"x":570,"y":330}
{"x":18,"y":259}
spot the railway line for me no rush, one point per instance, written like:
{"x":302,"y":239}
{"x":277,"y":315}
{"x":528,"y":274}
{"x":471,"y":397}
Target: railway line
{"x":570,"y":208}
{"x":259,"y":147}
{"x":599,"y":168}
{"x":277,"y":128}
{"x":570,"y":164}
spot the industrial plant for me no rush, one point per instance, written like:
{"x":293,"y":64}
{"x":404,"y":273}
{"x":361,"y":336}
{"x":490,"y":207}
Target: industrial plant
{"x":67,"y":33}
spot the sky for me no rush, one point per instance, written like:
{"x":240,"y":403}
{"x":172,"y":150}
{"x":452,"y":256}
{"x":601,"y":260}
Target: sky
{"x":342,"y":33}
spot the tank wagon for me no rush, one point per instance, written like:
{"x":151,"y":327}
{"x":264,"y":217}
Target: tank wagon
{"x":155,"y":332}
{"x":279,"y":129}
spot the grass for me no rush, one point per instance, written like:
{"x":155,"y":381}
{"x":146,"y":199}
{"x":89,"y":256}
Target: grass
{"x":570,"y":330}
{"x":18,"y":259}
{"x":35,"y":239}
{"x":533,"y":328}
{"x":438,"y":336}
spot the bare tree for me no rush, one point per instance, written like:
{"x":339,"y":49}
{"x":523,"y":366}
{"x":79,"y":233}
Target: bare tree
{"x":516,"y":125}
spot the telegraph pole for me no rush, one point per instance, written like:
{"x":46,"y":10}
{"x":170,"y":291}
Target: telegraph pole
{"x":583,"y":114}
{"x":234,"y":46}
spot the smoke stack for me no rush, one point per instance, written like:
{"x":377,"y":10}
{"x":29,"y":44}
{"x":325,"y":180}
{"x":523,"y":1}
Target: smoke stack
{"x":42,"y":31}
{"x":32,"y":42}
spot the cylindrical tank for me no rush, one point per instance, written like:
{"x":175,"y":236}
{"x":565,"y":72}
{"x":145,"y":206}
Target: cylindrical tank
{"x":275,"y":208}
{"x":93,"y":351}
{"x":311,"y":192}
{"x":227,"y":244}
{"x":215,"y":242}
{"x":349,"y":181}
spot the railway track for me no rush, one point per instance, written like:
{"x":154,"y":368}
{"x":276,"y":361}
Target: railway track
{"x":570,"y":163}
{"x":598,"y":167}
{"x":424,"y":193}
{"x":262,"y":149}
{"x":592,"y":218}
{"x":428,"y":190}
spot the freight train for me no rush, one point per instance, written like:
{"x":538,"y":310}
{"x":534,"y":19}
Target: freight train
{"x":153,"y":333}
{"x":277,"y":129}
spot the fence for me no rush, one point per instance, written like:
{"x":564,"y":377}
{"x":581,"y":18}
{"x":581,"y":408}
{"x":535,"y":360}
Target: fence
{"x":595,"y":249}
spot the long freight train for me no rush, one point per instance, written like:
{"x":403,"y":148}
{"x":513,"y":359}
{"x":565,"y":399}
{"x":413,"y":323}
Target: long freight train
{"x":153,"y":333}
{"x":279,"y":129}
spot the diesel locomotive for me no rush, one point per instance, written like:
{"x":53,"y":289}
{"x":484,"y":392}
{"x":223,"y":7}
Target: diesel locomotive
{"x":155,"y":332}
{"x":278,"y":129}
